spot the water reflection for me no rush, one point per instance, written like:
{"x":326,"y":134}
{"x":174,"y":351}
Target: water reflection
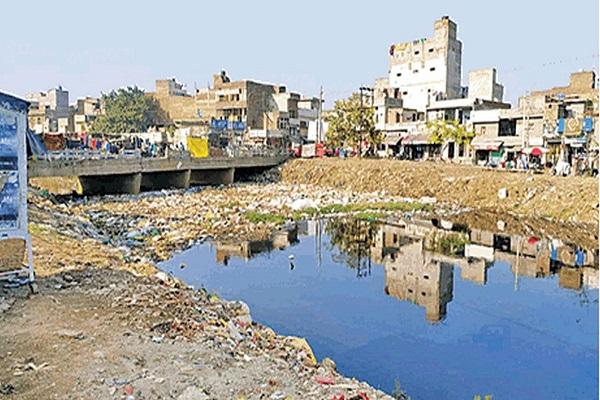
{"x":419,"y":255}
{"x":454,"y":307}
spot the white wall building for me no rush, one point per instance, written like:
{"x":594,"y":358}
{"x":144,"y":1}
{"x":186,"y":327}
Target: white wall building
{"x":427,"y":69}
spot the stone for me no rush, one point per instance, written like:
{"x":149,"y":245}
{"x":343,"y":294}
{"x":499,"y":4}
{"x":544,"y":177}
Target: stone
{"x":328,"y":364}
{"x":234,"y":332}
{"x":502,"y":193}
{"x":301,"y":204}
{"x":193,"y":393}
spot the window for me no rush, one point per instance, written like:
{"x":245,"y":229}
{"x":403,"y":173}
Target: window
{"x":396,"y":93}
{"x":432,"y":69}
{"x":397,"y":121}
{"x":430,"y":50}
{"x":417,"y":53}
{"x":426,"y":276}
{"x":410,"y":290}
{"x":415,"y":71}
{"x":508,"y":127}
{"x":395,"y":237}
{"x":423,"y":294}
{"x":399,"y":74}
{"x":404,"y":93}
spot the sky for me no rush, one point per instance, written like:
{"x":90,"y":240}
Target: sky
{"x":93,"y":47}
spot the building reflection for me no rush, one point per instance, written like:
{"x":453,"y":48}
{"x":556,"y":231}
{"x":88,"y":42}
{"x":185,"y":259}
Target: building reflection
{"x":412,"y":274}
{"x":247,"y":249}
{"x":419,"y":256}
{"x":419,"y":270}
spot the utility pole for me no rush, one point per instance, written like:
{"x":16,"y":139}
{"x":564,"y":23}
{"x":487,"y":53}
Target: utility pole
{"x":320,"y":118}
{"x":363,"y":90}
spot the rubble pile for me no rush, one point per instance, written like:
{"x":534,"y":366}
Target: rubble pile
{"x":153,"y":226}
{"x":572,"y":199}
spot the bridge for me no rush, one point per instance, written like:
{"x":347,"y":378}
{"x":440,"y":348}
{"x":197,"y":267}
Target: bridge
{"x":132,"y":175}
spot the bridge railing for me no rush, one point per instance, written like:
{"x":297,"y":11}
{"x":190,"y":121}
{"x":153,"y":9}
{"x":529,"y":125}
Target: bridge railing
{"x":88,"y":154}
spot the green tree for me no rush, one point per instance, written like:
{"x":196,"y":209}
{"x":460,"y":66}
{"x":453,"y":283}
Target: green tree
{"x":442,"y":131}
{"x":127,"y":110}
{"x":348,"y":123}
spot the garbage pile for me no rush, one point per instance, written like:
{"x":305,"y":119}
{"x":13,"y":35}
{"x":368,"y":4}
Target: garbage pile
{"x":185,"y":344}
{"x":153,"y":226}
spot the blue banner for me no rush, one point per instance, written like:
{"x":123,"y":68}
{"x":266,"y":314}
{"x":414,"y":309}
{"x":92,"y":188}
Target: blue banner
{"x":588,"y":124}
{"x":218,"y":124}
{"x":560,"y":128}
{"x":239,"y":126}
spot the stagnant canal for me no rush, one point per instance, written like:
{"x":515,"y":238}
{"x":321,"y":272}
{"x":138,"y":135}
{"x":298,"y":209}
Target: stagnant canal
{"x":446,"y":313}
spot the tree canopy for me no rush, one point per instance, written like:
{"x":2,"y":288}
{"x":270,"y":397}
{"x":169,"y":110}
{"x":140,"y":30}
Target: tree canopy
{"x":126,"y":110}
{"x":442,"y":131}
{"x":348,"y":123}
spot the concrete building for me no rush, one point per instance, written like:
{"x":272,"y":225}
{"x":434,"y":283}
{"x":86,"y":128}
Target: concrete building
{"x":427,"y":69}
{"x":308,"y":113}
{"x":266,"y":111}
{"x":560,"y":122}
{"x":483,"y":85}
{"x":182,"y":108}
{"x":406,"y":130}
{"x":46,"y":108}
{"x":87,"y":110}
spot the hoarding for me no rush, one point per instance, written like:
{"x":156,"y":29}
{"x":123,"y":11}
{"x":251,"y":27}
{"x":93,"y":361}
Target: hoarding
{"x":11,"y":141}
{"x":13,"y":182}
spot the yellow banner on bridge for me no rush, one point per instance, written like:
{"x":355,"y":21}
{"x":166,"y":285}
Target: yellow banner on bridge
{"x":198,"y":147}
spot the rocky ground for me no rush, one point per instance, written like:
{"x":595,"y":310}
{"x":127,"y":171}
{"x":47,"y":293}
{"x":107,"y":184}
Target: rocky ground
{"x":573,"y":199}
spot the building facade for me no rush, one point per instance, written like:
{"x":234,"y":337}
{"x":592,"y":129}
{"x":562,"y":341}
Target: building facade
{"x":427,"y":69}
{"x":49,"y":111}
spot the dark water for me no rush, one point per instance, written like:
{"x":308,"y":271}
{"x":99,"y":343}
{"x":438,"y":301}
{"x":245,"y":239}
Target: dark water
{"x":445,"y":326}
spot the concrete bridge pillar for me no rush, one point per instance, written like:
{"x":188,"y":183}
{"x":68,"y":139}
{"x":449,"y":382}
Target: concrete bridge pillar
{"x":166,"y":180}
{"x":212,"y":177}
{"x":111,"y":184}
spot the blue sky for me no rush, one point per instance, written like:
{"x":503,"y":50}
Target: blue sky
{"x":89,"y":47}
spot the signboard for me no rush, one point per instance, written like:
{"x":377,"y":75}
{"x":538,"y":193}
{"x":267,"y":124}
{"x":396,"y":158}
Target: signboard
{"x":13,"y":178}
{"x":218,"y":124}
{"x":239,"y":126}
{"x":223,"y":124}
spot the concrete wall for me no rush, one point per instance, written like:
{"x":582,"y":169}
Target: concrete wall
{"x":483,"y":85}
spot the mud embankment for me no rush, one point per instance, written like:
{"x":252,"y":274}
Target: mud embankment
{"x":573,"y":199}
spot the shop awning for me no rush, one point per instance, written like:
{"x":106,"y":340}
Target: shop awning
{"x":486,"y":144}
{"x":415,"y":139}
{"x":392,"y":139}
{"x":534,"y":151}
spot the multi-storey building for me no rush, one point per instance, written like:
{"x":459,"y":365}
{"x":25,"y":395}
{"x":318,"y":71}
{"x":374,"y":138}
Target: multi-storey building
{"x":262,"y":109}
{"x":427,"y":69}
{"x":86,"y":111}
{"x":48,"y":110}
{"x":556,"y":124}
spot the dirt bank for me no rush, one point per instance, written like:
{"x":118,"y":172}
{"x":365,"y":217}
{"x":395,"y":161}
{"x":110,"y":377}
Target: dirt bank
{"x":559,"y":198}
{"x":106,"y":325}
{"x":106,"y":334}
